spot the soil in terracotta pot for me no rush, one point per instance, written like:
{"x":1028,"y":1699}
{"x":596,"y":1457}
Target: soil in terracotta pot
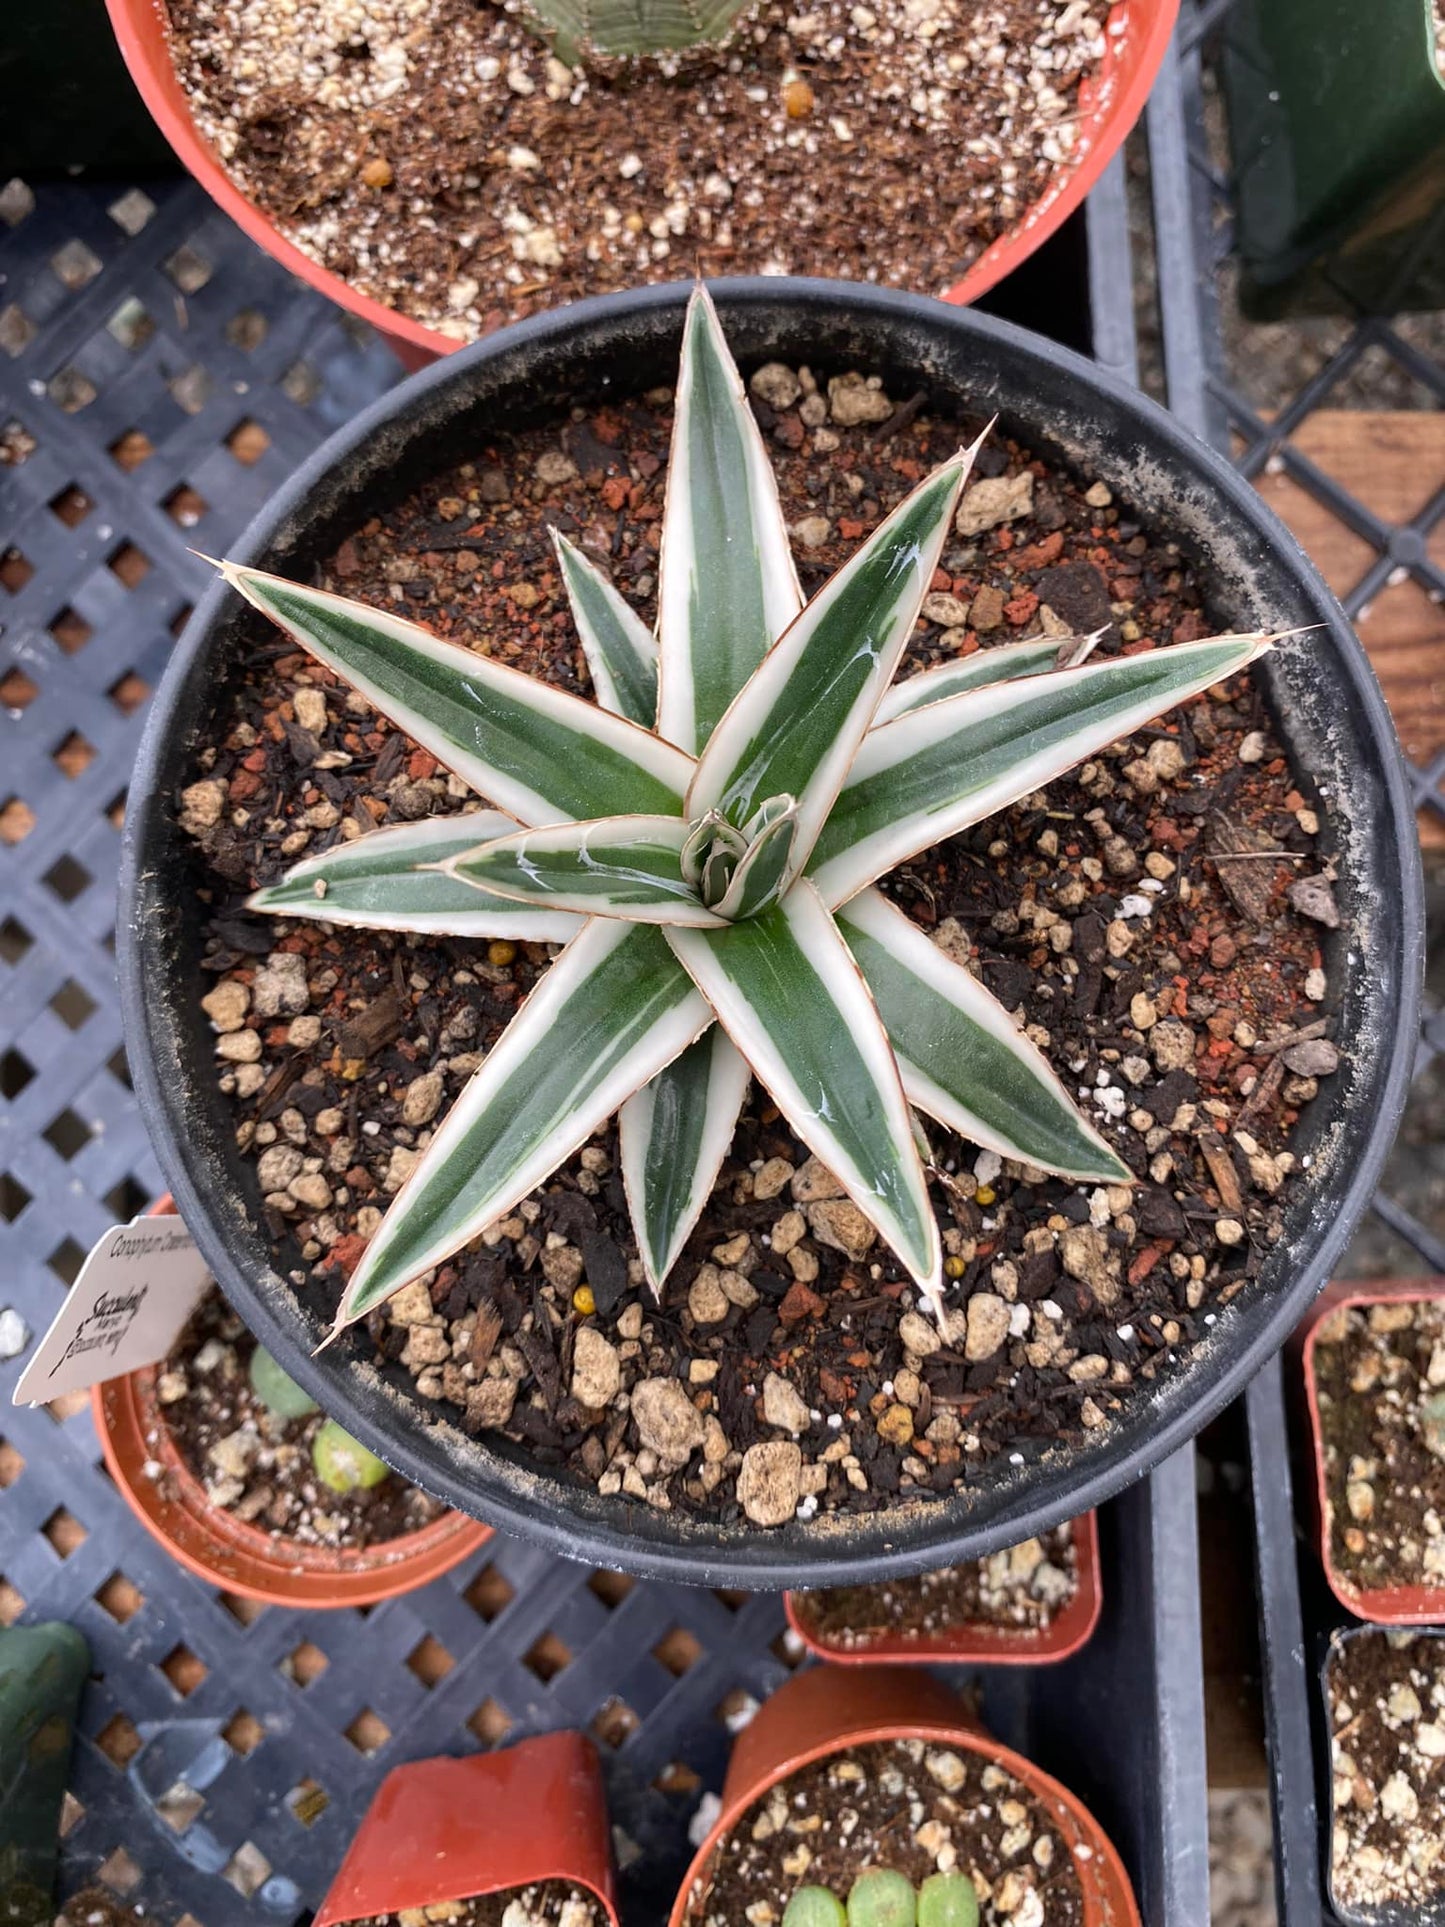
{"x":1386,"y":1696}
{"x":1380,"y":1376}
{"x":439,"y":159}
{"x":917,"y":1808}
{"x":550,"y":1903}
{"x":1023,"y":1587}
{"x":257,"y":1465}
{"x":1171,"y":974}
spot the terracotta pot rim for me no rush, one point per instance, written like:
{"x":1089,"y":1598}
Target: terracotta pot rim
{"x":981,"y":1644}
{"x":1398,"y":1605}
{"x":1109,"y":105}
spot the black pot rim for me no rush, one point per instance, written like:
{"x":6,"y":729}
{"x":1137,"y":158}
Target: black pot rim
{"x":577,"y":1522}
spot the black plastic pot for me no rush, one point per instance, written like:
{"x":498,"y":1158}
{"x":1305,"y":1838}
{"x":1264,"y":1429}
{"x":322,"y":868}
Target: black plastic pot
{"x":1253,"y":576}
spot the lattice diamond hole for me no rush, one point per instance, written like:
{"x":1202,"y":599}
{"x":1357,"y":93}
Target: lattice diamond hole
{"x":17,"y":200}
{"x":489,"y":1594}
{"x":67,"y":1135}
{"x":71,"y":1815}
{"x":17,"y":691}
{"x":12,"y":1464}
{"x":132,"y":448}
{"x":71,"y":506}
{"x":248,"y":442}
{"x":71,"y":390}
{"x":75,"y":264}
{"x":15,"y":1073}
{"x":119,"y":1069}
{"x":68,"y":879}
{"x":120,"y":1597}
{"x":66,"y":1260}
{"x":67,"y":1405}
{"x":677,"y":1650}
{"x":244,"y":1611}
{"x":17,"y":444}
{"x":132,"y":211}
{"x":128,"y":692}
{"x":190,"y":271}
{"x":610,"y":1587}
{"x":17,"y":330}
{"x":129,"y":565}
{"x":71,"y":630}
{"x":130,"y":325}
{"x":12,"y":1603}
{"x":247,"y":1870}
{"x":181,"y":617}
{"x":678,"y":1778}
{"x":184,"y":1669}
{"x":65,"y":1532}
{"x":305,"y":1663}
{"x":119,"y":1872}
{"x":17,"y":820}
{"x":430,"y":1661}
{"x":247,"y":330}
{"x":301,"y":384}
{"x":72,"y":1005}
{"x":243,"y":1732}
{"x":74,"y":756}
{"x":179,"y":1805}
{"x":731,"y":1598}
{"x":547,"y":1656}
{"x":614,"y":1721}
{"x":126,"y":1200}
{"x":491,"y":1723}
{"x":308,"y":1802}
{"x":368,"y":1732}
{"x":15,"y":570}
{"x":13,"y":1198}
{"x":118,"y":1740}
{"x":185,"y":506}
{"x":788,"y":1649}
{"x":191,"y":389}
{"x":15,"y":940}
{"x":735,"y":1709}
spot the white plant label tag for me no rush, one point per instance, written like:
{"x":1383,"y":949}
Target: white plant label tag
{"x":127,"y":1308}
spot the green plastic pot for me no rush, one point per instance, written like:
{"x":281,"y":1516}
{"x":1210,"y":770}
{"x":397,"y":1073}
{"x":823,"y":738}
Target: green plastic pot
{"x":1337,"y":126}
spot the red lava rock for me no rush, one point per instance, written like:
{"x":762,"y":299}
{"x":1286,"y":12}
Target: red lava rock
{"x":799,"y":1303}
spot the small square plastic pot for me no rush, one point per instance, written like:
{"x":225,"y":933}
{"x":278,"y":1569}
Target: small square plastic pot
{"x":241,"y":1558}
{"x":978,"y":1643}
{"x":450,"y":1830}
{"x":823,"y":1711}
{"x":1398,"y":1605}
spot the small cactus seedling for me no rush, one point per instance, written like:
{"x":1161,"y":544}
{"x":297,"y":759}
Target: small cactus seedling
{"x":627,"y":28}
{"x":1432,"y":1424}
{"x":948,"y":1900}
{"x":342,"y":1462}
{"x":883,"y":1898}
{"x":814,"y":1907}
{"x":276,"y":1389}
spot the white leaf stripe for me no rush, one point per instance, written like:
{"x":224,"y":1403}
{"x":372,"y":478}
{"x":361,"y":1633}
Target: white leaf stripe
{"x":794,"y":728}
{"x":617,"y":866}
{"x":672,"y":1138}
{"x":727,"y":585}
{"x":934,"y":771}
{"x":963,"y":1061}
{"x":983,"y":668}
{"x":534,"y":751}
{"x":609,"y":1014}
{"x":389,"y":880}
{"x":620,"y":650}
{"x":790,"y":996}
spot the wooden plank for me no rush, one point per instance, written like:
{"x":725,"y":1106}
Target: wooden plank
{"x":1393,"y":463}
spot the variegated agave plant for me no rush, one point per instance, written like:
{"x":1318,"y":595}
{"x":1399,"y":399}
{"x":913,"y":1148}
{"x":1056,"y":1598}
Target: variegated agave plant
{"x":705,"y":842}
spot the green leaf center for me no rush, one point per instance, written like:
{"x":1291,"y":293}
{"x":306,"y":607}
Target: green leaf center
{"x":738,"y":872}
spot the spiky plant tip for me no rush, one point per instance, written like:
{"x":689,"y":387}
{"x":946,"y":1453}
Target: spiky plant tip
{"x":704,"y":840}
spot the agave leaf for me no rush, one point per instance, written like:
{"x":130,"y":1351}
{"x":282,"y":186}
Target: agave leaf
{"x":392,"y":880}
{"x":727,"y":587}
{"x":984,"y":668}
{"x":609,"y":1014}
{"x":672,"y":1138}
{"x":616,"y":866}
{"x":789,"y":995}
{"x":760,"y":875}
{"x":619,"y":648}
{"x":534,"y":751}
{"x":795,"y":726}
{"x":628,"y":27}
{"x":934,"y":771}
{"x":962,"y":1059}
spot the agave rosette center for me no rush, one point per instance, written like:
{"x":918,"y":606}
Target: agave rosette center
{"x":704,"y":840}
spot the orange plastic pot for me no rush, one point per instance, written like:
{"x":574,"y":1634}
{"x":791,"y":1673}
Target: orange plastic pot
{"x":1402,"y":1605}
{"x":242,"y":1558}
{"x":443,"y":1830}
{"x":978,"y":1644}
{"x":1137,"y":35}
{"x":823,"y":1711}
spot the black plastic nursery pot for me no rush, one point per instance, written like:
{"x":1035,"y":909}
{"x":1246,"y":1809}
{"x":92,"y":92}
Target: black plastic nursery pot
{"x":1325,"y":702}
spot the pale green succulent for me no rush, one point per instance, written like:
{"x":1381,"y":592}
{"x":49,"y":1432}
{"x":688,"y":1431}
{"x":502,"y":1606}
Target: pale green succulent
{"x":881,"y":1897}
{"x":705,"y":842}
{"x":626,"y":28}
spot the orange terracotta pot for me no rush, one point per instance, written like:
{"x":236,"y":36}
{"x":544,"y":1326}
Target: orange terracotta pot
{"x":242,"y":1558}
{"x":979,"y":1644}
{"x":824,"y":1711}
{"x":1108,"y":105}
{"x":451,"y":1829}
{"x":1402,"y":1605}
